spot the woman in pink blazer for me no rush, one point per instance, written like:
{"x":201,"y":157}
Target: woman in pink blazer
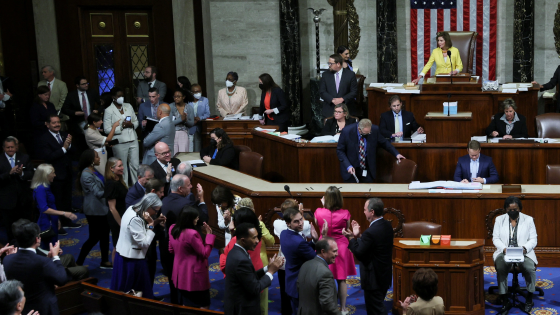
{"x":190,"y":268}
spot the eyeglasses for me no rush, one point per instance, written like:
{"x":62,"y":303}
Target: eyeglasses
{"x":331,"y":63}
{"x":87,"y":83}
{"x":164,"y":153}
{"x":338,"y":112}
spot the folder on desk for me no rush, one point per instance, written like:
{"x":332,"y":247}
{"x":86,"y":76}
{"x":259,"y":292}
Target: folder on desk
{"x":425,"y":239}
{"x":446,"y":240}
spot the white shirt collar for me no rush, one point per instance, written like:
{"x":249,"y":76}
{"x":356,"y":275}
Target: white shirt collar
{"x":51,"y":82}
{"x":8,"y":157}
{"x":395,"y":114}
{"x":340,"y":72}
{"x":54,"y":134}
{"x":242,"y":248}
{"x":152,"y":84}
{"x":375,"y":220}
{"x":31,"y":249}
{"x":163,"y":118}
{"x":164,"y":166}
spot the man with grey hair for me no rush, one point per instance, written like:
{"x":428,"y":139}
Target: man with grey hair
{"x":138,"y":190}
{"x":164,"y":131}
{"x":12,"y":298}
{"x":185,"y":168}
{"x":356,"y":150}
{"x":58,"y":88}
{"x":374,"y":250}
{"x":171,"y":208}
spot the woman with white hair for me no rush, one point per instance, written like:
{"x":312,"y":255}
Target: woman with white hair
{"x":130,"y":269}
{"x":44,"y":198}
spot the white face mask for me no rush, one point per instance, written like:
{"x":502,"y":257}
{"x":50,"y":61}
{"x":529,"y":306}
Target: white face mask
{"x":198,"y":95}
{"x":229,"y":83}
{"x":120,"y":100}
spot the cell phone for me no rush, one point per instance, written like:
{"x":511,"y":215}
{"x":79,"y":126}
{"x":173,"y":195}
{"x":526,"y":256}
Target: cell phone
{"x":128,"y":118}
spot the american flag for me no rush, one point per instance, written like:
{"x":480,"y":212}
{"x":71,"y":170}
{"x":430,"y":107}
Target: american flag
{"x":427,"y":17}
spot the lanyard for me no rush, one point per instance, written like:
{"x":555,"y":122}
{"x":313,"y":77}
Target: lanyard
{"x":512,"y":230}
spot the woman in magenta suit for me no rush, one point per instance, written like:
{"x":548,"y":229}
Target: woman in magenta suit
{"x":190,"y":268}
{"x":337,"y":219}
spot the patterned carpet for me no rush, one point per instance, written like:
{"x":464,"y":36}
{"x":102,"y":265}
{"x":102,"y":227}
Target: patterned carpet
{"x":549,"y":304}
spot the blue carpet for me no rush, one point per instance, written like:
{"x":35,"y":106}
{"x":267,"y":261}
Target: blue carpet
{"x":549,"y":304}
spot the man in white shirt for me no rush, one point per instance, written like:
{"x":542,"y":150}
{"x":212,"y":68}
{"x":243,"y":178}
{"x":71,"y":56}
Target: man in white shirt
{"x":58,"y":88}
{"x":150,"y":75}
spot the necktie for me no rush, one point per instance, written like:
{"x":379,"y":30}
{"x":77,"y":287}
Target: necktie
{"x":337,"y":82}
{"x":12,"y":162}
{"x":84,"y":105}
{"x":49,"y":85}
{"x":397,"y":124}
{"x":59,"y":139}
{"x":362,"y":153}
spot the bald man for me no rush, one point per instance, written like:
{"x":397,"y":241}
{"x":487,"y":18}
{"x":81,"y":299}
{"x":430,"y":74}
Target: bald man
{"x":164,"y":131}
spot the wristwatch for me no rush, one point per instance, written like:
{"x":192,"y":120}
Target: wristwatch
{"x":151,"y":227}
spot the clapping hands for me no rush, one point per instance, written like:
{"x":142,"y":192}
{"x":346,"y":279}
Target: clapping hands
{"x":206,"y":228}
{"x":8,"y":249}
{"x":275,"y":263}
{"x":353,"y":232}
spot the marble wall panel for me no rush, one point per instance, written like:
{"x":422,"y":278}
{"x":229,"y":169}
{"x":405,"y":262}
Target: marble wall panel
{"x":46,"y":36}
{"x":184,"y":35}
{"x":290,"y":45}
{"x":387,"y":62}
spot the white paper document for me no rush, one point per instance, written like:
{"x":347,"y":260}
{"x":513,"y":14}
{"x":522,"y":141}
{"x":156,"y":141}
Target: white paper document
{"x":444,"y":184}
{"x":480,"y":138}
{"x":191,"y":162}
{"x":376,"y":85}
{"x":525,"y":85}
{"x":509,"y":90}
{"x":291,"y":136}
{"x":394,"y":84}
{"x":418,"y":136}
{"x":233,"y":117}
{"x":257,"y":117}
{"x":264,"y":130}
{"x":523,"y":89}
{"x":509,"y":86}
{"x":325,"y":139}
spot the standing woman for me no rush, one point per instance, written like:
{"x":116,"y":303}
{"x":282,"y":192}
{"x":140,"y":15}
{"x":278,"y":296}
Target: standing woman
{"x":191,"y":257}
{"x":96,"y":141}
{"x":201,"y":111}
{"x":44,"y":198}
{"x":40,"y":111}
{"x":274,"y":109}
{"x":441,"y":58}
{"x":183,"y":118}
{"x":136,"y":235}
{"x":232,"y":99}
{"x":91,"y":184}
{"x":127,"y":148}
{"x":344,"y":52}
{"x":115,"y":194}
{"x":338,"y":219}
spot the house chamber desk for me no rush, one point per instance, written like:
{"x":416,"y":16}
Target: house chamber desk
{"x":461,"y":215}
{"x":289,"y":161}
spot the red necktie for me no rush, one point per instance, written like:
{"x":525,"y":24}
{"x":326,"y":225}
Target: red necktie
{"x":84,"y":106}
{"x":49,"y":85}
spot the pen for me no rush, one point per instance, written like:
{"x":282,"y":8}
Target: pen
{"x":339,"y":187}
{"x":370,"y":189}
{"x":311,"y":188}
{"x":307,"y":188}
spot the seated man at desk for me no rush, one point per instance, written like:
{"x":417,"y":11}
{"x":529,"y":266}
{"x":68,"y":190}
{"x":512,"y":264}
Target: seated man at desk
{"x":515,"y":229}
{"x":398,"y":123}
{"x":356,"y":151}
{"x":475,"y":167}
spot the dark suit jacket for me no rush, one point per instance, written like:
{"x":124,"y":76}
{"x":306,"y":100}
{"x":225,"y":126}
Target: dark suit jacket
{"x":134,"y":194}
{"x":374,"y":250}
{"x":38,"y":114}
{"x":160,"y":174}
{"x":317,"y":291}
{"x":347,"y":89}
{"x":552,"y":85}
{"x":387,"y":124}
{"x":348,"y":150}
{"x":329,"y":129}
{"x":519,"y":128}
{"x":13,"y":187}
{"x":51,"y":151}
{"x":226,"y":156}
{"x":39,"y":275}
{"x":73,"y":104}
{"x":174,"y":203}
{"x":277,"y":100}
{"x":297,"y":251}
{"x":243,"y":284}
{"x":486,"y":169}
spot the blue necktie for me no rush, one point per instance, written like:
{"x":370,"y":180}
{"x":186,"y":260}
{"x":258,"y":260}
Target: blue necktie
{"x":59,"y":139}
{"x":12,"y":162}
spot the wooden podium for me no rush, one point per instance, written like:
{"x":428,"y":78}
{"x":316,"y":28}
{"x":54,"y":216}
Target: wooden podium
{"x":460,"y":270}
{"x":458,"y":78}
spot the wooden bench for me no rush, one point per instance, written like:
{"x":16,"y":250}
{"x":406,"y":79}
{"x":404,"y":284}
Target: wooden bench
{"x":69,"y":296}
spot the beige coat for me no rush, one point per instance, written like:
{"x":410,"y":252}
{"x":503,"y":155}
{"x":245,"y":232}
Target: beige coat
{"x":234,"y":104}
{"x":433,"y":307}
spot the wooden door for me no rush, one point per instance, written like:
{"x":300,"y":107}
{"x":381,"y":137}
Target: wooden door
{"x":118,"y":46}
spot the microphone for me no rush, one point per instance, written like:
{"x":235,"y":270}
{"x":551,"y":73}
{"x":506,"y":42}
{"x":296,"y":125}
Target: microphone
{"x":449,"y":55}
{"x":287,"y":188}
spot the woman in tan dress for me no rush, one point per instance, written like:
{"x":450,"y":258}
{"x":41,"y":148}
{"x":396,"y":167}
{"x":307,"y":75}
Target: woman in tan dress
{"x":232,"y":99}
{"x":96,"y":141}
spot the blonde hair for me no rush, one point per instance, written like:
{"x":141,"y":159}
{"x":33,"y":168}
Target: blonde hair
{"x":245,"y":202}
{"x":109,"y":172}
{"x":41,"y":176}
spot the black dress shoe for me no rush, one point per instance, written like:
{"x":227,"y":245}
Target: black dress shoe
{"x":528,"y":307}
{"x":71,"y":225}
{"x":506,"y":306}
{"x":62,"y":232}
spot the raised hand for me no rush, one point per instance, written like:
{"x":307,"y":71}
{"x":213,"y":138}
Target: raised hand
{"x":347,"y":233}
{"x":325,"y":229}
{"x":148,"y":218}
{"x":355,"y":228}
{"x":314,"y":233}
{"x":207,"y":228}
{"x":260,"y":218}
{"x":54,"y":250}
{"x":8,"y":249}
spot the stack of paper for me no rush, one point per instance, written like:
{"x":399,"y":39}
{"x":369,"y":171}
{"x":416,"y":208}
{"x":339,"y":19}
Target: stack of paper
{"x":376,"y":85}
{"x":418,"y":137}
{"x":264,"y":130}
{"x":325,"y":139}
{"x":257,"y":117}
{"x":509,"y":86}
{"x":233,"y":117}
{"x":483,"y":139}
{"x":445,"y":184}
{"x":291,"y":137}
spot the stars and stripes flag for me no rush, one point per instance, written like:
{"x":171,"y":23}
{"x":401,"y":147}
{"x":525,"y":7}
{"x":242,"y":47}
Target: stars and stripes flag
{"x":427,"y":17}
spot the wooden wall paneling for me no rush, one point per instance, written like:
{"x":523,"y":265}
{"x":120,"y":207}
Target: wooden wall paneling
{"x":324,"y":166}
{"x":280,"y":162}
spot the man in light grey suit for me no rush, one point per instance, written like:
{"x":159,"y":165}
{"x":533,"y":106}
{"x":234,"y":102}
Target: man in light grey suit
{"x":58,"y":88}
{"x":317,"y":291}
{"x":150,"y":74}
{"x":164,"y":131}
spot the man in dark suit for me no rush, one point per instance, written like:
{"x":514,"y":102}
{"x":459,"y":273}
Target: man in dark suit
{"x":54,"y":149}
{"x":164,"y":166}
{"x":148,"y":109}
{"x":138,"y":190}
{"x":356,"y":150}
{"x":79,"y":104}
{"x":398,"y":123}
{"x":150,"y":82}
{"x":297,"y":250}
{"x":243,"y":283}
{"x":38,"y":274}
{"x":172,"y":205}
{"x":15,"y":171}
{"x":338,"y":85}
{"x":374,"y":250}
{"x":475,"y":167}
{"x":317,"y":290}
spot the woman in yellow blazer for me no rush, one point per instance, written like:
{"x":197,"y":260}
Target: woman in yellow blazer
{"x":439,"y":55}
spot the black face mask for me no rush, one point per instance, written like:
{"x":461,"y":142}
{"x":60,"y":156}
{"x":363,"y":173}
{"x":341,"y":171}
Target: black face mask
{"x":260,"y":86}
{"x":513,"y":214}
{"x":213,"y":143}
